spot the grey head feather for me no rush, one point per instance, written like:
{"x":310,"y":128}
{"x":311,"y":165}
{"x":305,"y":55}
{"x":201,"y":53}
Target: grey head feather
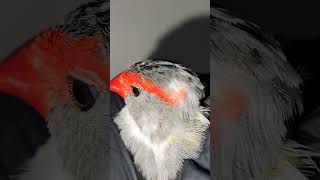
{"x":161,"y":136}
{"x":164,"y":73}
{"x":88,"y":20}
{"x":245,"y":59}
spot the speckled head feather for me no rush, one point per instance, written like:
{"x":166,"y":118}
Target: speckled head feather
{"x":90,"y":19}
{"x":160,"y":127}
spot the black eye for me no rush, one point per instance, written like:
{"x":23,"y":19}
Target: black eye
{"x":136,"y":91}
{"x":84,"y":95}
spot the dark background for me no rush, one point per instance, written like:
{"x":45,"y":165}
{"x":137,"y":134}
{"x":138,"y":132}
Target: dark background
{"x":22,"y":20}
{"x":296,"y":25}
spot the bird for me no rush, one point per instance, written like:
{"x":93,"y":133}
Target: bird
{"x":162,"y":123}
{"x":255,"y":95}
{"x":62,"y":75}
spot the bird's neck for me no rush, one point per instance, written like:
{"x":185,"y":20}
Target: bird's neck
{"x":83,"y":155}
{"x":82,"y":141}
{"x":162,"y":158}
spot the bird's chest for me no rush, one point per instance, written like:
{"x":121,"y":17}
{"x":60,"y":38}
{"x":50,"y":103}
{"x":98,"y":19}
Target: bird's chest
{"x":47,"y":164}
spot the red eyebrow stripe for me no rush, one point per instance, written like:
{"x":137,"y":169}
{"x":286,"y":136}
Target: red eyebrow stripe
{"x":148,"y":85}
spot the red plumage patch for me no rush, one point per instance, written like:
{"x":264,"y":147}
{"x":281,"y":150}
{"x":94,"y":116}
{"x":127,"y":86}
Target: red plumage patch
{"x":37,"y":73}
{"x":123,"y":82}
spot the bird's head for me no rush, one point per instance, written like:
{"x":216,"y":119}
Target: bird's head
{"x":56,"y":67}
{"x":155,"y":86}
{"x":62,"y":73}
{"x":162,"y":122}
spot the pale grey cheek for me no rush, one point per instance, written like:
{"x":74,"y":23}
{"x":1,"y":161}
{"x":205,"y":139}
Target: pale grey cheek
{"x":81,"y":137}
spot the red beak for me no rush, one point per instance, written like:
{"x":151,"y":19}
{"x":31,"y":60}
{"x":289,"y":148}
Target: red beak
{"x":119,"y":84}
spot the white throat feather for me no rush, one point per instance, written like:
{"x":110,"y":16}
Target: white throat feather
{"x":162,"y":160}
